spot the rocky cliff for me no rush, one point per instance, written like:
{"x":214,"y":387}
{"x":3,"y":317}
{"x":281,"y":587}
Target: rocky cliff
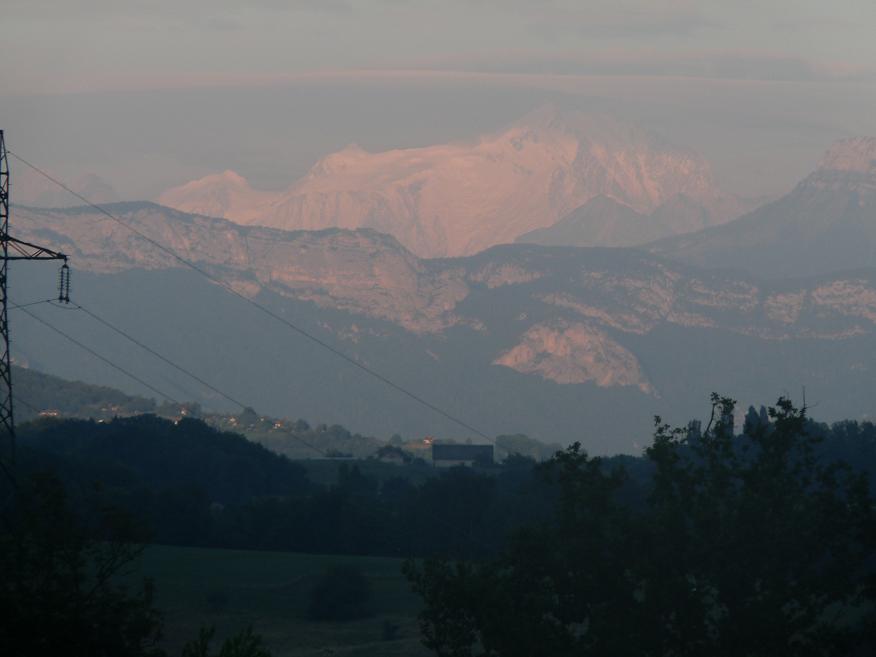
{"x":576,"y":305}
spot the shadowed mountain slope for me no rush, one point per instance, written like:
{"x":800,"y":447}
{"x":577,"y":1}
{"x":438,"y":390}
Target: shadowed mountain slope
{"x":826,"y":224}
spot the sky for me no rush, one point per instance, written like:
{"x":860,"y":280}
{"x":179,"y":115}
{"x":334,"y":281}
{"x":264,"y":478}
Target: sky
{"x":150,"y":93}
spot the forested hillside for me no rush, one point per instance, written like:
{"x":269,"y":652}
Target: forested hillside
{"x":194,"y":485}
{"x":52,"y":395}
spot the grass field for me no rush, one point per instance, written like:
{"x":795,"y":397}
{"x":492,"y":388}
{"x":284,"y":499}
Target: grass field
{"x":325,"y":471}
{"x":230,"y":589}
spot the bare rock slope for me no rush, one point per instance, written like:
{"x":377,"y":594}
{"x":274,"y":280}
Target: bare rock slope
{"x":460,"y":198}
{"x":575,"y":313}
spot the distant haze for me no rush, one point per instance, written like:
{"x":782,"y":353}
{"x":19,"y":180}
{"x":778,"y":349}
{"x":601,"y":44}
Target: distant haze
{"x":760,"y":138}
{"x":150,"y":95}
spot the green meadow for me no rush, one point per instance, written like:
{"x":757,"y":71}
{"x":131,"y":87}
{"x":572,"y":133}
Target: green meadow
{"x":230,"y":589}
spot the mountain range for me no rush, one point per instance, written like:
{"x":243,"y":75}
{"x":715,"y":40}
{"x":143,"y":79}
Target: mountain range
{"x":516,"y":338}
{"x":405,"y":262}
{"x":826,"y":223}
{"x":460,"y":198}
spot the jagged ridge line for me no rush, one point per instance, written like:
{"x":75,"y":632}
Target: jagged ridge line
{"x":259,"y":306}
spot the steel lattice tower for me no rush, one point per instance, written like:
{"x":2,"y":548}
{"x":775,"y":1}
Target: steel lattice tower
{"x":20,"y":251}
{"x":7,"y":417}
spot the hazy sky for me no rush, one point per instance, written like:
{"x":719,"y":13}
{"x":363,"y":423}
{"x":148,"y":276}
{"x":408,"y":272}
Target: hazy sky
{"x":149,"y":92}
{"x":86,"y":44}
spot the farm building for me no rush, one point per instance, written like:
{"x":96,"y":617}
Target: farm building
{"x":450,"y":455}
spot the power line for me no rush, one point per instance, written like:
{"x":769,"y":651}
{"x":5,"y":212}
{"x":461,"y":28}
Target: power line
{"x":135,"y":378}
{"x":146,"y":348}
{"x":160,"y":357}
{"x":180,"y":368}
{"x":91,"y":351}
{"x":28,"y":305}
{"x":153,"y":352}
{"x":303,"y":332}
{"x":19,"y":400}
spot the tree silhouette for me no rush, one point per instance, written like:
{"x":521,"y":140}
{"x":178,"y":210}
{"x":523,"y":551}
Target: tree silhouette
{"x":745,"y":545}
{"x":59,"y":594}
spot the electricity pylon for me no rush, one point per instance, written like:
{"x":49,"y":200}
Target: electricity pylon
{"x":13,"y":249}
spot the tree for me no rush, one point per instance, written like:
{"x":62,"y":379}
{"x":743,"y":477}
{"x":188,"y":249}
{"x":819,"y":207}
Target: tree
{"x":522,"y":445}
{"x":248,"y":417}
{"x":774,"y":542}
{"x":744,"y":546}
{"x":59,"y":593}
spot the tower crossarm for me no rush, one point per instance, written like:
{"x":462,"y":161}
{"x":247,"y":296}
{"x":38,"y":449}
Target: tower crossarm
{"x":21,"y":250}
{"x":15,"y":249}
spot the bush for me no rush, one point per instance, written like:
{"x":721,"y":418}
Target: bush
{"x":245,"y":643}
{"x":342,"y":593}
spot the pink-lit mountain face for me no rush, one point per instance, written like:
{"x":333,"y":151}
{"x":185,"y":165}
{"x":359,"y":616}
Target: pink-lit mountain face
{"x":226,"y":194}
{"x":461,"y":198}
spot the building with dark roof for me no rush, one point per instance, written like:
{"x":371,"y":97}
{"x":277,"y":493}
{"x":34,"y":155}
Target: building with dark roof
{"x":444,"y":455}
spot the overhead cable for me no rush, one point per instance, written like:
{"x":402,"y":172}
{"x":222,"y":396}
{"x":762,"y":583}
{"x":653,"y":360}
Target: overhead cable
{"x":264,"y":309}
